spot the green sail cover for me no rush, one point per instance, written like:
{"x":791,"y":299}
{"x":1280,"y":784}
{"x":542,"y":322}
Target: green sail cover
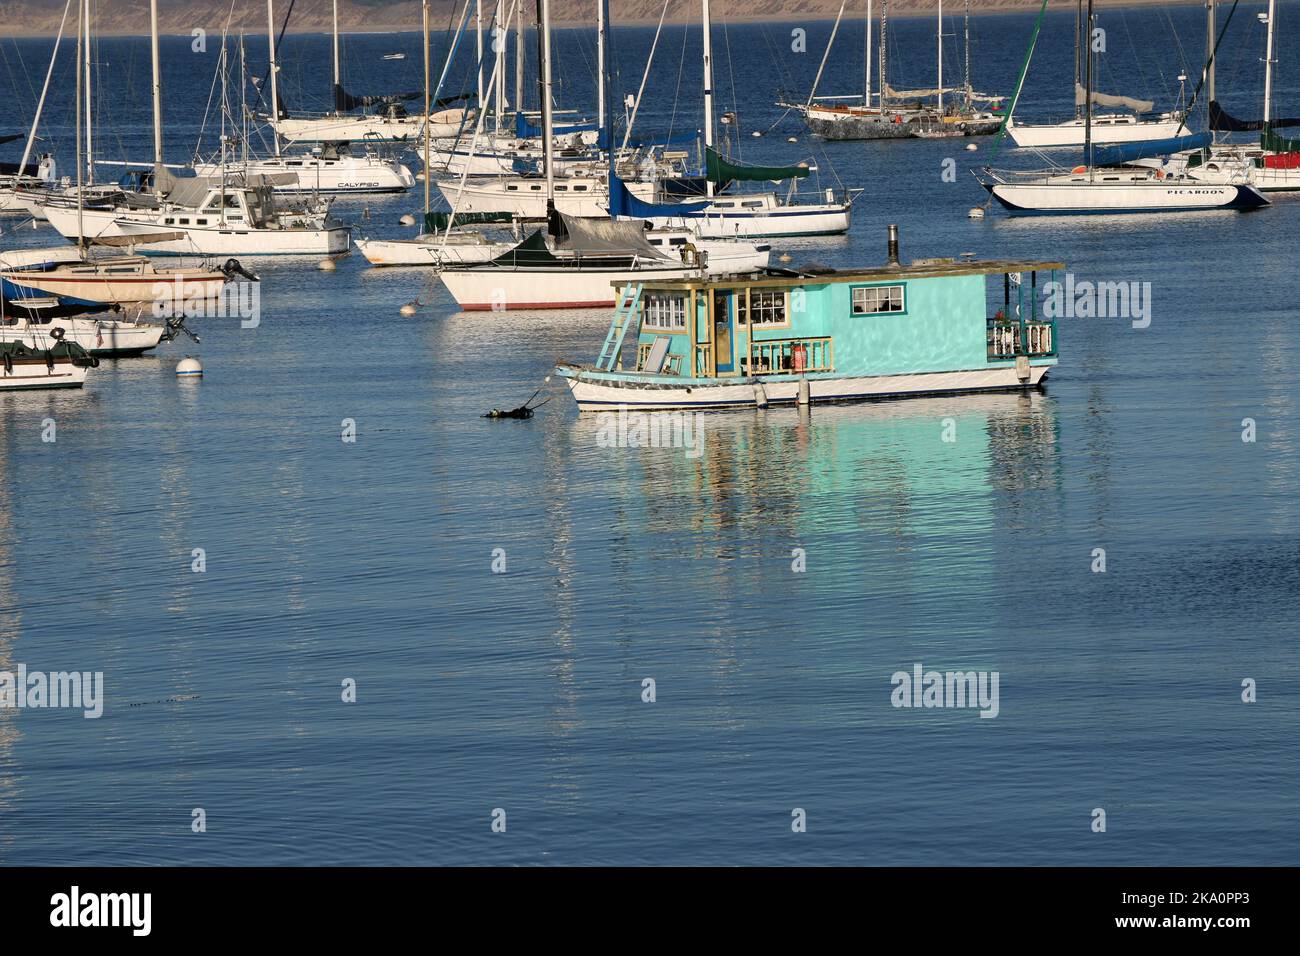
{"x":437,"y":221}
{"x":721,"y":171}
{"x":1272,"y":143}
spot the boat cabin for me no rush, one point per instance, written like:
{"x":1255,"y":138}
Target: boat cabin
{"x":937,"y":325}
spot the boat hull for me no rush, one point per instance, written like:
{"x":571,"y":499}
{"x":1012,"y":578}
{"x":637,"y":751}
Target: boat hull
{"x":1072,"y":133}
{"x":200,"y":240}
{"x":105,"y":338}
{"x":372,"y":129}
{"x":595,"y":390}
{"x":418,"y":252}
{"x":571,"y":288}
{"x":25,"y":375}
{"x":1122,"y":198}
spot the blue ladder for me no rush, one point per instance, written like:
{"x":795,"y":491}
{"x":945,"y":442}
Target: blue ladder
{"x":628,"y":300}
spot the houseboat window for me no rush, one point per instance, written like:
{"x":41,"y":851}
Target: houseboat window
{"x":874,"y":299}
{"x":752,"y":204}
{"x":766,"y":307}
{"x":664,"y":310}
{"x":579,"y":189}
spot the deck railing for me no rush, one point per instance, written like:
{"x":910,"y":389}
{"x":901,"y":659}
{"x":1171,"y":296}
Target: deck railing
{"x":786,"y":356}
{"x":1005,"y":339}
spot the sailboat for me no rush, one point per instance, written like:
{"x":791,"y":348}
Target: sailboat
{"x":840,"y":118}
{"x":1272,"y":163}
{"x":589,"y":260}
{"x":1109,"y":181}
{"x":1107,"y":128}
{"x":391,"y":124}
{"x":229,"y":215}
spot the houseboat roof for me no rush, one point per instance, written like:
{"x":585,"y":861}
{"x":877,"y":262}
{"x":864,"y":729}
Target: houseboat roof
{"x":919,"y":269}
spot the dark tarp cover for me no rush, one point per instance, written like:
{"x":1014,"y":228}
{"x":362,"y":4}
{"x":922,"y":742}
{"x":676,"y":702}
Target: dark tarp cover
{"x":437,"y":221}
{"x":720,"y":170}
{"x":1123,"y":153}
{"x":1223,"y":122}
{"x":531,"y":252}
{"x":345,"y":102}
{"x":526,"y":130}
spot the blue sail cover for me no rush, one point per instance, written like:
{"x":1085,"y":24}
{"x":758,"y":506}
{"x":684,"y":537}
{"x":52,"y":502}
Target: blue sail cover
{"x":623,"y":203}
{"x":1131,"y":152}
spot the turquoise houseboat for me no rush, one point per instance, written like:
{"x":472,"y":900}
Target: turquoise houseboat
{"x":937,"y":326}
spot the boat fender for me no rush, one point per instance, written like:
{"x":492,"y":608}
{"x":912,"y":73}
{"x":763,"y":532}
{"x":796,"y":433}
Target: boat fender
{"x":760,"y":395}
{"x":690,"y":254}
{"x":49,"y":360}
{"x":897,"y":118}
{"x":9,"y":364}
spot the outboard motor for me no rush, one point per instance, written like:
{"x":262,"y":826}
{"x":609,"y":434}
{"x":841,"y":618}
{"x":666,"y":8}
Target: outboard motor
{"x":232,"y":268}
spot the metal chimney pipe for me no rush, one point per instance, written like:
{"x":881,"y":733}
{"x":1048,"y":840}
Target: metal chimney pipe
{"x":893,"y":246}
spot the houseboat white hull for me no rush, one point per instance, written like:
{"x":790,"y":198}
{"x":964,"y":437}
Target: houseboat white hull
{"x":209,"y":240}
{"x":1107,"y":130}
{"x":596,"y":390}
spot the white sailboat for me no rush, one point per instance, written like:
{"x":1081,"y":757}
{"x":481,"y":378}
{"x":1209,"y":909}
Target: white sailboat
{"x":1109,"y":183}
{"x":200,"y":216}
{"x":1107,"y":129}
{"x":391,"y":125}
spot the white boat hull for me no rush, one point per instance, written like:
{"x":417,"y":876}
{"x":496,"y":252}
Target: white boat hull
{"x":525,"y":198}
{"x":97,"y":336}
{"x":214,"y":240}
{"x":506,"y":289}
{"x":39,"y":375}
{"x":1078,"y":196}
{"x":660,"y":392}
{"x":326,"y":129}
{"x":356,"y":175}
{"x":430,"y":252}
{"x":1106,"y":131}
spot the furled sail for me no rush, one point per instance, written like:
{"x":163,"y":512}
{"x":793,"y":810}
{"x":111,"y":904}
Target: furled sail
{"x":345,"y":102}
{"x":1223,"y":122}
{"x":623,"y":203}
{"x":1123,"y":153}
{"x":438,"y":221}
{"x":1111,"y":101}
{"x":893,"y":94}
{"x":720,"y":170}
{"x":526,"y":130}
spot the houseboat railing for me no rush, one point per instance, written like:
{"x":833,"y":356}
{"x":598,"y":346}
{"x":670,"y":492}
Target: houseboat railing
{"x":1007,"y":339}
{"x":786,"y":356}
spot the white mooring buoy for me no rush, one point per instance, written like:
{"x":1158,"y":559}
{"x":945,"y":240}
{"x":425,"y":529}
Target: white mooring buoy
{"x":793,"y":139}
{"x":407,"y":310}
{"x":971,"y":147}
{"x":326,"y":265}
{"x":785,"y":257}
{"x":407,"y":220}
{"x":756,"y":134}
{"x":976,"y":213}
{"x":189,"y":367}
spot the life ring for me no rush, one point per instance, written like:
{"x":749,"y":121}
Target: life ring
{"x":897,"y":118}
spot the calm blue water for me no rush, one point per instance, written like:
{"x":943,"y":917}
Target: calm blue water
{"x":522,"y":690}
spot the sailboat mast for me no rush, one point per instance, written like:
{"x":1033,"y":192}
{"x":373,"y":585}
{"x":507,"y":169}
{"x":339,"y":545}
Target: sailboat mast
{"x":812,"y":94}
{"x":1087,"y":92}
{"x":157,"y":98}
{"x":866,"y":87}
{"x":275,"y":91}
{"x":600,"y":64}
{"x":424,"y":12}
{"x":966,"y":25}
{"x":90,"y":151}
{"x":884,"y":25}
{"x":939,"y":55}
{"x":708,"y":89}
{"x":478,"y":47}
{"x":520,"y":56}
{"x":1268,"y":68}
{"x":548,"y":121}
{"x":1211,"y":16}
{"x":40,"y":104}
{"x":1078,"y":54}
{"x":338,"y":80}
{"x":81,"y":231}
